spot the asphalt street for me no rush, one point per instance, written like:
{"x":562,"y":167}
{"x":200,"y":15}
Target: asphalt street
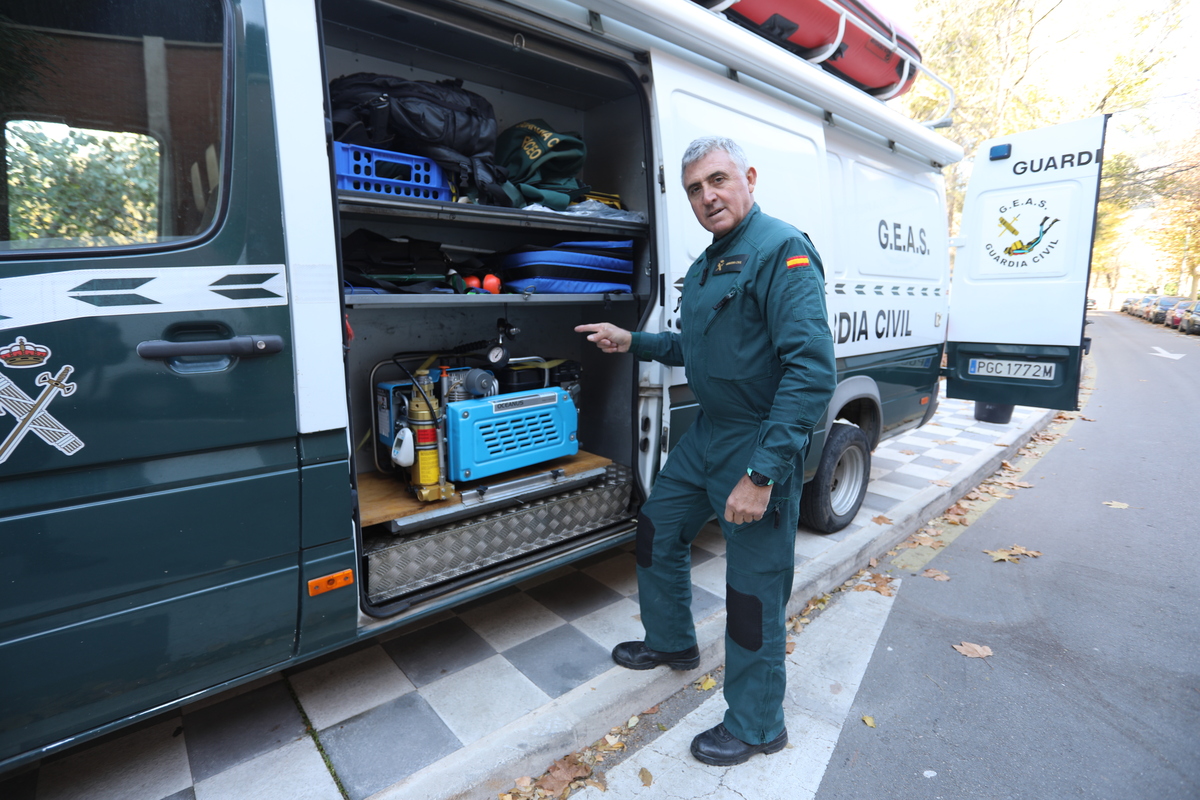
{"x":1093,"y":688}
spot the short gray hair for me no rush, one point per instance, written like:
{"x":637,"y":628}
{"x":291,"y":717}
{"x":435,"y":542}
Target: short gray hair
{"x":705,"y":145}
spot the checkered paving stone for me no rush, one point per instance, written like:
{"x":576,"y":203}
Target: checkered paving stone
{"x":386,"y":708}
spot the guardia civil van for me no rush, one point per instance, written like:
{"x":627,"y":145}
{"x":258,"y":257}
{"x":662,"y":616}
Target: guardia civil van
{"x":218,"y":458}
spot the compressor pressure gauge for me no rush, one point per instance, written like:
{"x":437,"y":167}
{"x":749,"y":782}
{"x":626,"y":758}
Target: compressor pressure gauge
{"x":497,"y":356}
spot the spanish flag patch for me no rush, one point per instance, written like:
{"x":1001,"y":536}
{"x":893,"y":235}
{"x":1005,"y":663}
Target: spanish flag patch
{"x":797,"y":261}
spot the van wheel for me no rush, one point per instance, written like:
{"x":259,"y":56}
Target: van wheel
{"x":830,"y":501}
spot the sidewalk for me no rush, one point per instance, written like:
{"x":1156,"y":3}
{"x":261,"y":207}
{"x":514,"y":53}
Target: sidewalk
{"x":464,"y":703}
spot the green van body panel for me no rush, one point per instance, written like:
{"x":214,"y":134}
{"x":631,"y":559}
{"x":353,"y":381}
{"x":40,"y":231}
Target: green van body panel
{"x":163,"y":558}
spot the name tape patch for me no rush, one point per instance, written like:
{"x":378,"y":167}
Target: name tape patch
{"x":730,"y":264}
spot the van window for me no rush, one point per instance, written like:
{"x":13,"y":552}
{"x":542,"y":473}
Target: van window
{"x":113,"y":122}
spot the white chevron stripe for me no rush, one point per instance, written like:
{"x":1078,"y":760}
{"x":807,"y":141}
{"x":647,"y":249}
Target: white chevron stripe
{"x":56,"y":296}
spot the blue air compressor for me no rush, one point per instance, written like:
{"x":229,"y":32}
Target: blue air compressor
{"x":466,"y":425}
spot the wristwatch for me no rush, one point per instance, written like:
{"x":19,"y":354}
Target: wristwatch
{"x":758,"y":479}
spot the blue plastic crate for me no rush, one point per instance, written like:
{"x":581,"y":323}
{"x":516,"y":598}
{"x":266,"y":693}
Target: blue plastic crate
{"x":408,"y":176}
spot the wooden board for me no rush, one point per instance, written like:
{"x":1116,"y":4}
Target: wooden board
{"x":386,"y":497}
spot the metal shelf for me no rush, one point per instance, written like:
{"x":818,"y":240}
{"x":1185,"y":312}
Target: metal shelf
{"x":373,"y":206}
{"x":437,"y":299}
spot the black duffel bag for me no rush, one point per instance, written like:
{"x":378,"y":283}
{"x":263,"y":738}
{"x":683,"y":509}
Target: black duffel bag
{"x":441,"y":121}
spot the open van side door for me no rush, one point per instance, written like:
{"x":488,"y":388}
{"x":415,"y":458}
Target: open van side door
{"x":787,"y":149}
{"x":1020,"y":279}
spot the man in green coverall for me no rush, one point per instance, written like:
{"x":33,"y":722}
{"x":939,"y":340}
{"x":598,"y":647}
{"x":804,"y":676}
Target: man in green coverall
{"x":759,"y":357}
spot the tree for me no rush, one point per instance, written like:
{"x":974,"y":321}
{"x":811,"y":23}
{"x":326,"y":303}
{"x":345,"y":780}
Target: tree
{"x":986,"y":51}
{"x":68,"y":183}
{"x":1178,"y":234}
{"x":22,"y":59}
{"x":1029,"y":63}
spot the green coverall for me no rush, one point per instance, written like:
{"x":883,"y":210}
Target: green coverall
{"x":759,"y":357}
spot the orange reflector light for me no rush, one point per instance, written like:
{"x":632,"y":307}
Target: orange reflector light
{"x":335,"y":581}
{"x":925,"y":400}
{"x":426,"y":435}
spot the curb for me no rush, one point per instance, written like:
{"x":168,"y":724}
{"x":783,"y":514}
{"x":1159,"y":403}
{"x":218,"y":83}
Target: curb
{"x":527,"y":746}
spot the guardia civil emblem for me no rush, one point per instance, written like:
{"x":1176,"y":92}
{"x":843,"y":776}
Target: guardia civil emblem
{"x":1024,"y":237}
{"x":30,"y":412}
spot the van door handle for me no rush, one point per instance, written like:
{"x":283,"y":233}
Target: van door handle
{"x":244,"y":346}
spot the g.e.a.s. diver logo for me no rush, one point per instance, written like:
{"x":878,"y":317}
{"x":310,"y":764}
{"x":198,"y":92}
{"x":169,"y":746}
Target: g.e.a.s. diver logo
{"x":30,"y":412}
{"x":1023,"y":235}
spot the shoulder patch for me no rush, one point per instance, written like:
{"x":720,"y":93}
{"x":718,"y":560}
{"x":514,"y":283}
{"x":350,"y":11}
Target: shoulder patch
{"x":797,"y":261}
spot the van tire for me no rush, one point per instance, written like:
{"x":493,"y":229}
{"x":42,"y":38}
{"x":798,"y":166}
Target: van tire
{"x":834,"y":495}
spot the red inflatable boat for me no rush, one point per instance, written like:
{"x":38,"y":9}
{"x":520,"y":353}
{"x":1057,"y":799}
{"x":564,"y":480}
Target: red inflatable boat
{"x":823,"y":31}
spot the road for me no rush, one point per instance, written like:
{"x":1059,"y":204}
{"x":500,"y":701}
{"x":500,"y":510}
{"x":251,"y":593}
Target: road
{"x":1093,"y":688}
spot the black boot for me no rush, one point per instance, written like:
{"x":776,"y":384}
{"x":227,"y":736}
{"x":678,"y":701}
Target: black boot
{"x":720,"y":748}
{"x":636,"y":655}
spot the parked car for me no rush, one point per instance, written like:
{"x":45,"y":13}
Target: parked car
{"x":1091,"y":303}
{"x":1189,"y":322}
{"x":1175,"y":313}
{"x":1139,"y":308}
{"x":1156,"y":312}
{"x":1128,"y":302}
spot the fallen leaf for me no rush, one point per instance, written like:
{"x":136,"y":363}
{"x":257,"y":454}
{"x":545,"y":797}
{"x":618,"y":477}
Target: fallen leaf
{"x":944,"y":441}
{"x":881,"y":520}
{"x":705,"y":683}
{"x":936,"y":574}
{"x":949,"y":461}
{"x":598,"y":782}
{"x":791,"y":647}
{"x":908,"y":452}
{"x":661,"y":727}
{"x":524,"y":782}
{"x":646,"y":777}
{"x":940,"y":483}
{"x":924,"y":539}
{"x":652,"y":709}
{"x":818,"y":602}
{"x":633,"y":721}
{"x":876,"y":583}
{"x":869,"y":720}
{"x":1115,"y":504}
{"x":1002,"y":555}
{"x":1018,"y":550}
{"x":1086,"y":419}
{"x":612,"y":743}
{"x":874,"y":562}
{"x":971,"y":650}
{"x":561,"y":773}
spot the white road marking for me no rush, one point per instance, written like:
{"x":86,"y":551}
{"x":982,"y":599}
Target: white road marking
{"x":823,"y":676}
{"x":1165,"y":354}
